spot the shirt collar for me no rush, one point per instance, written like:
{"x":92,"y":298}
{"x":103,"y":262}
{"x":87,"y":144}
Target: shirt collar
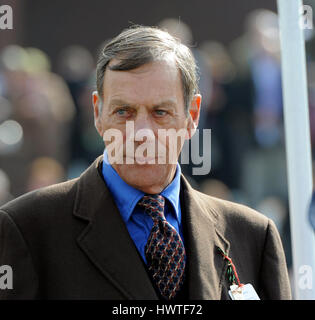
{"x":126,"y":197}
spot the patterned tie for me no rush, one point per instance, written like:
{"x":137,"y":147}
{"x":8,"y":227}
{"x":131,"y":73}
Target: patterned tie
{"x":164,"y":251}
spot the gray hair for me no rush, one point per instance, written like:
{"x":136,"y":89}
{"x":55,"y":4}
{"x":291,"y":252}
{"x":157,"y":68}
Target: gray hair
{"x":139,"y":45}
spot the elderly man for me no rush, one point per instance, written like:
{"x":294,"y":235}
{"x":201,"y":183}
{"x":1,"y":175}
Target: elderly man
{"x":131,"y":226}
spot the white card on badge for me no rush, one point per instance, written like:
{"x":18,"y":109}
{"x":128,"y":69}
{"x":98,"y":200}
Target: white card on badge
{"x":245,"y":292}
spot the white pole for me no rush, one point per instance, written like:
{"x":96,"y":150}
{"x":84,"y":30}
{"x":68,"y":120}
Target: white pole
{"x":298,"y":148}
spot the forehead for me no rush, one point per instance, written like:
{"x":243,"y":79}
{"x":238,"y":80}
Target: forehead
{"x":148,"y":84}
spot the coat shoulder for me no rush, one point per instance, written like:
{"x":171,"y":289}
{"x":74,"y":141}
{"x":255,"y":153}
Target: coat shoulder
{"x":54,"y":205}
{"x":228,"y":213}
{"x":47,"y":199}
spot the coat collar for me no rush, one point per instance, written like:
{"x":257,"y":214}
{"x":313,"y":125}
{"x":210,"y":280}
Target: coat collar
{"x":206,"y":268}
{"x":107,"y":243}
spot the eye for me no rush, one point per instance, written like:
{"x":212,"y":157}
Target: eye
{"x":160,"y":113}
{"x":122,"y":112}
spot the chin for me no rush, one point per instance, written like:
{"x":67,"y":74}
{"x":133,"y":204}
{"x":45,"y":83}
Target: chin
{"x":147,"y":178}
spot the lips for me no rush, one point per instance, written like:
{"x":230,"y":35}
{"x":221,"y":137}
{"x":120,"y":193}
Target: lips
{"x":144,"y":160}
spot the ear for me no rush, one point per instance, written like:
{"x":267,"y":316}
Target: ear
{"x":97,"y":107}
{"x":194,"y":113}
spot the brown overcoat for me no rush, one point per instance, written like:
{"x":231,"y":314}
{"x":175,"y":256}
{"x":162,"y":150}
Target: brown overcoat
{"x":68,"y":241}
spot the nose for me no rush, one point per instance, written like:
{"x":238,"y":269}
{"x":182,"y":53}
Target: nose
{"x":142,"y":120}
{"x":143,"y":127}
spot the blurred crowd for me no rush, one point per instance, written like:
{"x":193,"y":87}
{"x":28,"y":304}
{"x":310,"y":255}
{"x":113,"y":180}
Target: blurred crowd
{"x":47,"y":132}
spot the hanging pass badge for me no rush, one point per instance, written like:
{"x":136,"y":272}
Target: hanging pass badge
{"x":238,"y":291}
{"x":243,"y":292}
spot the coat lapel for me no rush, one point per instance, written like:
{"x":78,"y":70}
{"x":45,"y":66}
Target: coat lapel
{"x":106,"y":240}
{"x":206,"y":267}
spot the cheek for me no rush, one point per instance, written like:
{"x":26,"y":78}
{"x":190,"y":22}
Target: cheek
{"x":101,"y":125}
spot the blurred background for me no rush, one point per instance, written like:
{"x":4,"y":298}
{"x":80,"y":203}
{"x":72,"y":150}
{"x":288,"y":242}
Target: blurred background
{"x":47,"y":74}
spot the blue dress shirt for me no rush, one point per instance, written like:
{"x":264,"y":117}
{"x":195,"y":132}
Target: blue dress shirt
{"x":126,"y":198}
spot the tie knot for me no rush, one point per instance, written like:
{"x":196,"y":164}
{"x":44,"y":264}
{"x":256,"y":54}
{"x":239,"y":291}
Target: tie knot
{"x":154,"y":206}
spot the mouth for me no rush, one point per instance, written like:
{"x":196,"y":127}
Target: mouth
{"x":141,"y":160}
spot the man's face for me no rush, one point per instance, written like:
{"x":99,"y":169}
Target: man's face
{"x":150,"y":96}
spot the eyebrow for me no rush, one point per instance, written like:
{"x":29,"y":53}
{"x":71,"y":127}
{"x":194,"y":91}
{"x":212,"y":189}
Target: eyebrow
{"x":122,"y":103}
{"x":119,"y":102}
